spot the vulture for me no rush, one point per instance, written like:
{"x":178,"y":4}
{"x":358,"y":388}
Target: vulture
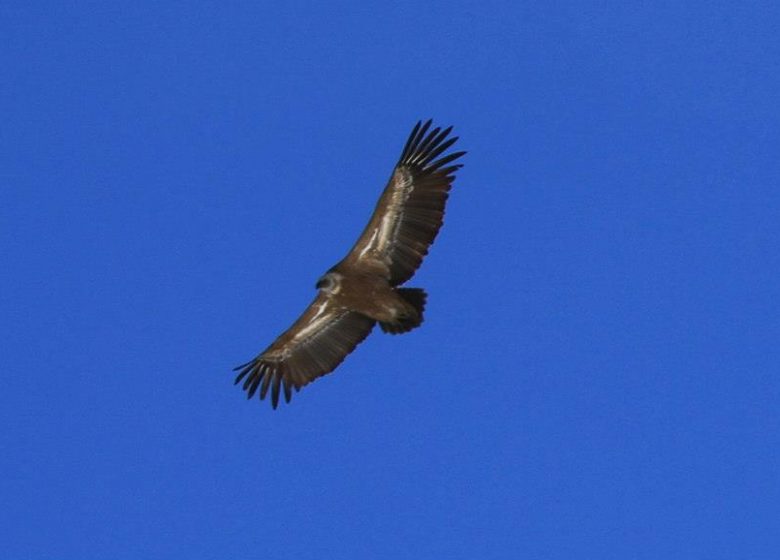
{"x":364,"y":288}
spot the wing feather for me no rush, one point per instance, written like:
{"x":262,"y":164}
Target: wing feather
{"x":313,"y":346}
{"x":410,"y":211}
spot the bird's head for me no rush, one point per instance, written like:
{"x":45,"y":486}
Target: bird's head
{"x":329,"y":282}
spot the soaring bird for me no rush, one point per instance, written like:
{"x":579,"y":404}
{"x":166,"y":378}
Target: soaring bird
{"x":364,"y":287}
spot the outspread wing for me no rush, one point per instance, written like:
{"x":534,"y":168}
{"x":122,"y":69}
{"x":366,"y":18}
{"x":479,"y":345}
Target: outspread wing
{"x":411,"y":209}
{"x":313,"y":346}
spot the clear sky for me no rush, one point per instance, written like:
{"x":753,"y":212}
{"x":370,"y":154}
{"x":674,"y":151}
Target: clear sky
{"x":597,"y":375}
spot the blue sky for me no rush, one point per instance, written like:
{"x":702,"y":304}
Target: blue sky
{"x":597,"y":376}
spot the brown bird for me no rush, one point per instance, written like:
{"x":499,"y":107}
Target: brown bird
{"x":362,"y":289}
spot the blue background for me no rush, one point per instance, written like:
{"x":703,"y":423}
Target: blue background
{"x":597,"y":376}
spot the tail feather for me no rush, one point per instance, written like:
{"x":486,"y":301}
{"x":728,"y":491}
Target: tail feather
{"x":416,"y":297}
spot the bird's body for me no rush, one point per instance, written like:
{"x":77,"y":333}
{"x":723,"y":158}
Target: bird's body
{"x":363,"y":288}
{"x":368,"y":294}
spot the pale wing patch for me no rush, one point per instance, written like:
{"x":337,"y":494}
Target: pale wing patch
{"x":321,"y":317}
{"x":370,"y":246}
{"x":385,"y":233}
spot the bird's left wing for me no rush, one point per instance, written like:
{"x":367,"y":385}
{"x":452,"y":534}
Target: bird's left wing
{"x":314,"y":345}
{"x":411,"y":209}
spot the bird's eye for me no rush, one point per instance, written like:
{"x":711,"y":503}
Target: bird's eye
{"x":323,"y":282}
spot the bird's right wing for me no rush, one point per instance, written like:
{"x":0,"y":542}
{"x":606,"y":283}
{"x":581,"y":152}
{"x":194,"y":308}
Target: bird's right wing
{"x":314,"y":345}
